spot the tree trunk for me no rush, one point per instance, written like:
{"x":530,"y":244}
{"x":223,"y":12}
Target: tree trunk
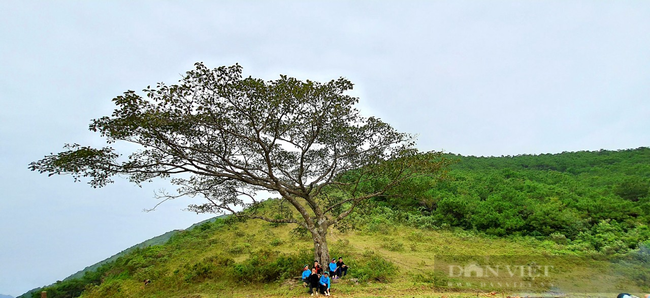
{"x":321,"y":252}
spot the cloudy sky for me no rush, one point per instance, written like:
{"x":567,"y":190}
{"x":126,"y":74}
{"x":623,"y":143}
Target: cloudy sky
{"x":484,"y":78}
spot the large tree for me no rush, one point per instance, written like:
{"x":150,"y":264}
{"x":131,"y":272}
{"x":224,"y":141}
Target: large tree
{"x":224,"y":137}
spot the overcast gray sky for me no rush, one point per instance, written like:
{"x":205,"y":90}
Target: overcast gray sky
{"x":468,"y":77}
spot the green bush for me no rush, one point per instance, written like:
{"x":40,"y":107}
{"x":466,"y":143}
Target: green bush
{"x":380,"y":225}
{"x":208,"y":268}
{"x":632,"y":189}
{"x":200,"y":271}
{"x":416,"y":237}
{"x":392,"y":245}
{"x":239,"y":248}
{"x":266,"y":266}
{"x":372,"y":267}
{"x":422,"y":221}
{"x":558,"y":238}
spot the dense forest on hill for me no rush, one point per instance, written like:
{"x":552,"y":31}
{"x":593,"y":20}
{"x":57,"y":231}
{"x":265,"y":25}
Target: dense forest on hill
{"x":594,"y":204}
{"x":595,"y":200}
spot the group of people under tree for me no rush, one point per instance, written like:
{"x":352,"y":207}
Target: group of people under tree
{"x":320,"y":281}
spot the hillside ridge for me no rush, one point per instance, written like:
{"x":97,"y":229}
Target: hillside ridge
{"x":157,"y":240}
{"x":592,"y":205}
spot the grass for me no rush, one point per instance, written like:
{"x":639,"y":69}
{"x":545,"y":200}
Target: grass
{"x":194,"y":264}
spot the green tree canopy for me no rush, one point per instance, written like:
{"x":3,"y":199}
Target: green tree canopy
{"x":224,"y":137}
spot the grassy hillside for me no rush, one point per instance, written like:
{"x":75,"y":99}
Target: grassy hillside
{"x":158,"y":240}
{"x":256,"y":259}
{"x":73,"y":287}
{"x":584,"y":215}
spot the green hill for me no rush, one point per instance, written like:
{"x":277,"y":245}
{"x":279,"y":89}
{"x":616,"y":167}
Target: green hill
{"x":583,"y":216}
{"x":584,"y":198}
{"x":158,"y":240}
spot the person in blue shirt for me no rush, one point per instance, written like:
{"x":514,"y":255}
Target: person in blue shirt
{"x":325,"y":284}
{"x":333,"y":268}
{"x":305,"y":273}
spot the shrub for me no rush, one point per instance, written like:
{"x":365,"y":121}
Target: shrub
{"x":380,"y":225}
{"x":416,"y":236}
{"x":209,"y":268}
{"x":239,"y":248}
{"x":632,"y":189}
{"x":372,"y":267}
{"x":276,"y":242}
{"x":422,"y":222}
{"x":267,"y":266}
{"x":558,"y":238}
{"x":392,"y":245}
{"x":200,"y":272}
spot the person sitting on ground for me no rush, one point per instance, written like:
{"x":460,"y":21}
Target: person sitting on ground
{"x":333,"y":268}
{"x":325,"y":284}
{"x":341,"y":268}
{"x":319,"y":269}
{"x":305,"y":273}
{"x":313,"y":281}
